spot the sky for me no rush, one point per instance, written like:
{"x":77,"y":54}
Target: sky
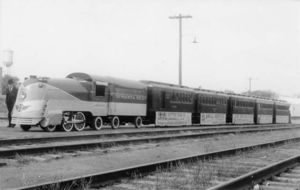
{"x":134,"y":39}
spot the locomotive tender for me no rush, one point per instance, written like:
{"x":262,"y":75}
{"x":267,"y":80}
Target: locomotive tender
{"x":81,"y":100}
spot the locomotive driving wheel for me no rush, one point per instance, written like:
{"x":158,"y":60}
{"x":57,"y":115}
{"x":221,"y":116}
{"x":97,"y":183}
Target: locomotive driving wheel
{"x":79,"y":121}
{"x":97,"y":123}
{"x":115,"y":122}
{"x":66,"y":124}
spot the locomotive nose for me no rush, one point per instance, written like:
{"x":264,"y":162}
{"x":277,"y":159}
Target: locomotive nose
{"x":30,"y":105}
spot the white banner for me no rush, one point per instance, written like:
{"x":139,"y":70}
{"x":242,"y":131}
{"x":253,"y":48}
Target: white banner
{"x":282,"y":119}
{"x":212,"y":118}
{"x":242,"y":118}
{"x":264,"y":119}
{"x":173,"y":118}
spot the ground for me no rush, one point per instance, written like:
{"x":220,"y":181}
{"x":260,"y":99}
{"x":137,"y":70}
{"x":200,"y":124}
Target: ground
{"x":26,"y":170}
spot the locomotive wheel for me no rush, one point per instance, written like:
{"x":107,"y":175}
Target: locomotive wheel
{"x":115,"y":122}
{"x":65,"y":126}
{"x":49,"y":128}
{"x":25,"y":127}
{"x":79,"y":126}
{"x":97,"y":123}
{"x":138,"y":122}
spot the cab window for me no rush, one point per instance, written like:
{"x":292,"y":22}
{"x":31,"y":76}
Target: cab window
{"x":100,"y":90}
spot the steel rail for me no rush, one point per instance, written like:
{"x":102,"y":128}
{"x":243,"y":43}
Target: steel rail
{"x":104,"y":178}
{"x":248,"y":180}
{"x":108,"y":143}
{"x":22,"y":141}
{"x":135,"y":133}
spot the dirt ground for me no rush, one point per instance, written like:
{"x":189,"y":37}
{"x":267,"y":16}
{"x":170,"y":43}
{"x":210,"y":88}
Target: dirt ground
{"x":27,"y":170}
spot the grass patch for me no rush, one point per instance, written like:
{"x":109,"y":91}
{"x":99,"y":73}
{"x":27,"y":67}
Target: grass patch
{"x":23,"y":159}
{"x":201,"y":174}
{"x":183,"y":177}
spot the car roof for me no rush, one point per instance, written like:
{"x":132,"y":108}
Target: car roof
{"x":167,"y":86}
{"x":110,"y":80}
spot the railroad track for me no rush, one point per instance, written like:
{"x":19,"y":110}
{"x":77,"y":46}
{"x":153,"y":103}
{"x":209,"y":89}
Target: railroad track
{"x":11,"y":147}
{"x":140,"y":132}
{"x":114,"y":176}
{"x":283,"y":175}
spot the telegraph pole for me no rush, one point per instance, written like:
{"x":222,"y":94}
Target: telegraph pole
{"x":180,"y":17}
{"x":250,"y":80}
{"x":1,"y":78}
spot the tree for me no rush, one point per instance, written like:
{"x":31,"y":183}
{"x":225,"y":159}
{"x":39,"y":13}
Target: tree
{"x":229,"y":91}
{"x":263,"y":93}
{"x":5,"y":80}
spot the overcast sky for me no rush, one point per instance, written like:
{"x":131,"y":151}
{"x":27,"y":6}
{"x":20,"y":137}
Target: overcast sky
{"x":135,"y":39}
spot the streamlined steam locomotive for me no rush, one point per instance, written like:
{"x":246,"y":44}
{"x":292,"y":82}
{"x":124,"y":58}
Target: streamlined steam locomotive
{"x":81,"y":100}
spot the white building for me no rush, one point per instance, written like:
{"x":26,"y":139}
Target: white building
{"x":295,"y":108}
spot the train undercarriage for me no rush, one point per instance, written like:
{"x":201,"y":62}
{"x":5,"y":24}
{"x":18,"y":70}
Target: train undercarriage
{"x":78,"y":121}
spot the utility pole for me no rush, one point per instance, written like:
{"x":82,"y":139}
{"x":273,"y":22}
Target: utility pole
{"x":250,"y":80}
{"x":180,"y":17}
{"x":1,"y":78}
